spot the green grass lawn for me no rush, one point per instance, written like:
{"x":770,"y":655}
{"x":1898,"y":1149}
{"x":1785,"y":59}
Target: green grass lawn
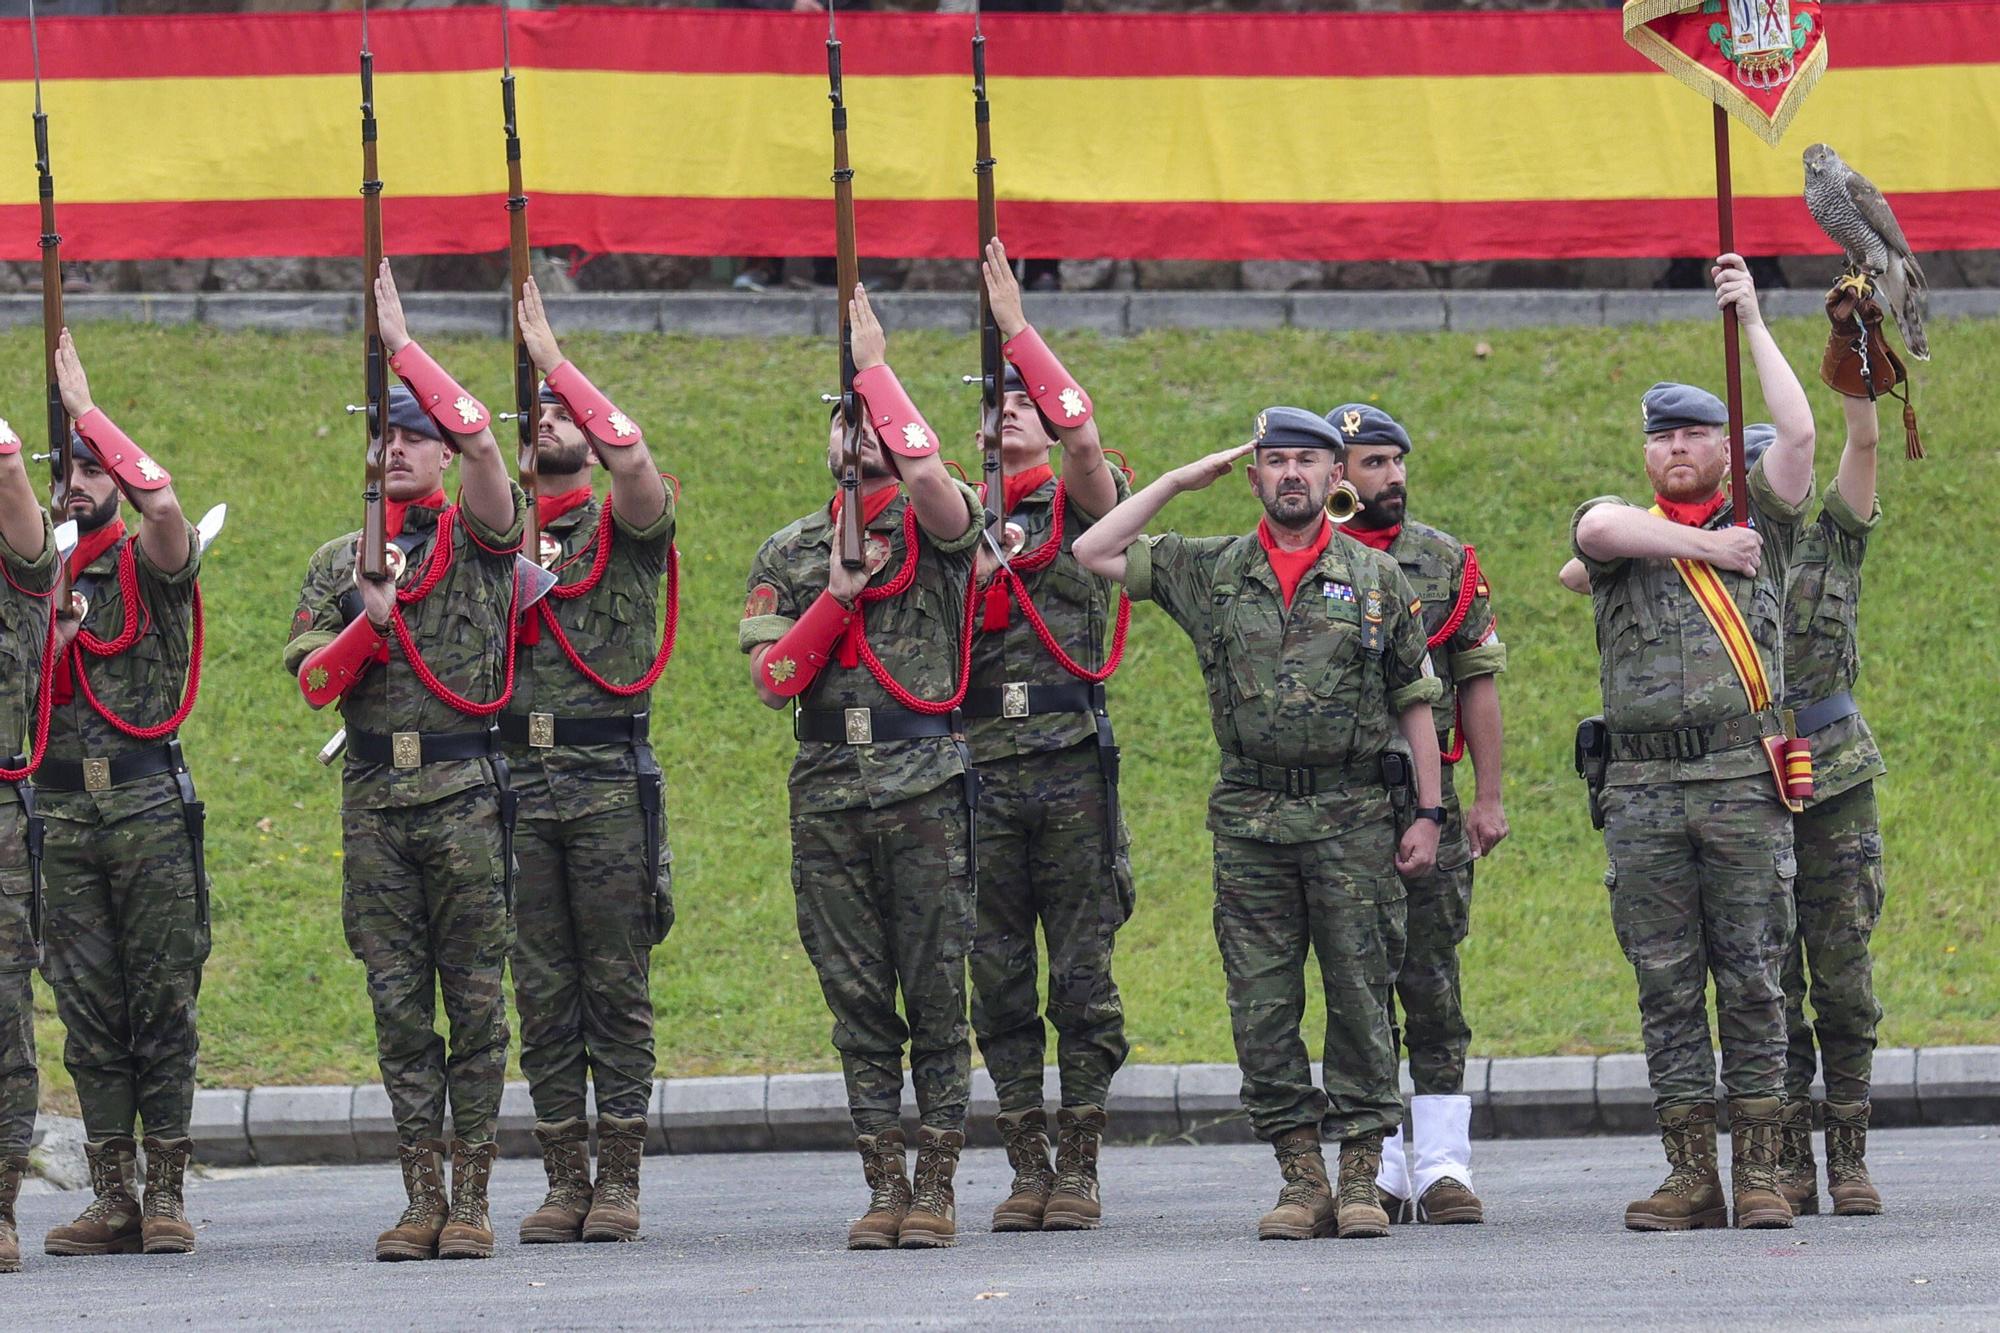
{"x":1507,"y":445}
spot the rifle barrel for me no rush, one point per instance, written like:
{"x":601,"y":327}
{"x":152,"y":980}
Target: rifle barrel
{"x":990,"y":373}
{"x":50,"y":242}
{"x":847,"y":276}
{"x":526,"y":412}
{"x":372,"y":562}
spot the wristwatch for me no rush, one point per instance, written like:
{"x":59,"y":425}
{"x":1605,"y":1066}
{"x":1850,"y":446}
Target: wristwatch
{"x":1434,"y":813}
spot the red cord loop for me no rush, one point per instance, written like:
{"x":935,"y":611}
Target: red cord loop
{"x":895,"y":587}
{"x":600,"y":546}
{"x":434,"y":572}
{"x":1468,"y":588}
{"x":137,"y":617}
{"x":1041,"y":558}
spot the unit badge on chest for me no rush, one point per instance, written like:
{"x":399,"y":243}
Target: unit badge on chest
{"x":876,"y":553}
{"x":550,"y":551}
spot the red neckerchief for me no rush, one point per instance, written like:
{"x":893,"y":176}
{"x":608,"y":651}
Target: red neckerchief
{"x":394,"y":510}
{"x":93,"y":545}
{"x":549,"y":507}
{"x":1691,"y":514}
{"x":1013,"y":490}
{"x":1291,"y":566}
{"x":1379,"y":539}
{"x":873,"y":505}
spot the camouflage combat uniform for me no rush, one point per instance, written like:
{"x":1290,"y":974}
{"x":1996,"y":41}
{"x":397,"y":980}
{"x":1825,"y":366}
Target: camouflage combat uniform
{"x":1305,"y":699}
{"x":588,"y":904}
{"x":882,"y":847}
{"x":1048,"y":853}
{"x":126,"y":929}
{"x":1700,"y":848}
{"x":24,"y":620}
{"x":1839,"y":888}
{"x":423,"y":866}
{"x":1440,"y":904}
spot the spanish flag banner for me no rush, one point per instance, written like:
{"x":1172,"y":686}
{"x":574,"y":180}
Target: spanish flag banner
{"x":1404,"y":136}
{"x":1756,"y":59}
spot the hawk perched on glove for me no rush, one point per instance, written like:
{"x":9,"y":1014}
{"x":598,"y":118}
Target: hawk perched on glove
{"x":1855,"y":216}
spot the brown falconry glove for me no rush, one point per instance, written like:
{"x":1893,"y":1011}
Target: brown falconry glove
{"x":1859,"y":362}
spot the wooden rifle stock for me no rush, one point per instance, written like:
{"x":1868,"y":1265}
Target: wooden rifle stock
{"x":847,"y":276}
{"x":527,"y":412}
{"x":52,"y":317}
{"x":991,"y":376}
{"x":372,"y":562}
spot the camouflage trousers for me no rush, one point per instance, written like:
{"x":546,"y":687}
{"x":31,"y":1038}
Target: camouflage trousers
{"x":1045,"y":859}
{"x":1701,"y":885}
{"x":422,"y":906}
{"x":1839,"y":897}
{"x":124,"y":937}
{"x":587,"y":913}
{"x":1440,"y":912}
{"x":885,"y":901}
{"x":1340,"y":898}
{"x":19,"y":1082}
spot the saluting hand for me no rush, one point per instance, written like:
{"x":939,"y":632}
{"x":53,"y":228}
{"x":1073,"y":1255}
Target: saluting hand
{"x":871,"y":345}
{"x":1736,"y":548}
{"x":536,"y":333}
{"x":1733,"y":286}
{"x":389,"y":311}
{"x":1205,"y":472}
{"x":70,"y":379}
{"x":1003,"y":293}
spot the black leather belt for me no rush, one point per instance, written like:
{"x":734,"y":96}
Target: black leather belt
{"x":1694,"y":742}
{"x":865,"y":726}
{"x":104,"y":774}
{"x":1310,"y":780}
{"x":1819,"y":716}
{"x":1017,"y":699}
{"x":545,"y":731}
{"x":414,"y":749}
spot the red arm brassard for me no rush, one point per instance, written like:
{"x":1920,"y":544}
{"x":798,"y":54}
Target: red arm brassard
{"x":1053,"y":388}
{"x":902,"y":428}
{"x":443,"y":399}
{"x":119,"y":456}
{"x":331,"y":671}
{"x":591,"y":410}
{"x":796,"y":660}
{"x":10,"y":443}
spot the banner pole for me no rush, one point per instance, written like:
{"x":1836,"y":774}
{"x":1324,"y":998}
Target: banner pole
{"x":1725,"y":218}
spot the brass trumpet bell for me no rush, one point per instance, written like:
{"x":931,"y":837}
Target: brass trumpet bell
{"x":1343,"y":503}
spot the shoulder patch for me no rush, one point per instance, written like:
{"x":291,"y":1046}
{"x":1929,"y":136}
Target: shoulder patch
{"x":1483,"y":590}
{"x":762,"y":601}
{"x":1416,"y":606}
{"x":301,"y":621}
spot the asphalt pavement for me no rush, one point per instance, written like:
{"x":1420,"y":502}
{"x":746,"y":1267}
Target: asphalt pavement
{"x":740,"y":1239}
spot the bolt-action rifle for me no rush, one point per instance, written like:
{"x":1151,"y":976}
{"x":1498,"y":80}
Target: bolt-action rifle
{"x":526,"y":412}
{"x":847,"y":274}
{"x":990,"y":373}
{"x":372,"y":561}
{"x":52,"y":316}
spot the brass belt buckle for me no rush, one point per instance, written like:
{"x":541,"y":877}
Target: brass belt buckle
{"x":406,"y":750}
{"x":860,"y":727}
{"x":1014,"y":699}
{"x":97,"y":775}
{"x":542,"y":730}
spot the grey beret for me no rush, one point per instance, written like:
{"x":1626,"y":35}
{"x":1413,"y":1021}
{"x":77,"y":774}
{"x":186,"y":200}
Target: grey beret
{"x":404,"y":412}
{"x":1669,"y":406}
{"x":1359,"y":423}
{"x":1293,"y":428}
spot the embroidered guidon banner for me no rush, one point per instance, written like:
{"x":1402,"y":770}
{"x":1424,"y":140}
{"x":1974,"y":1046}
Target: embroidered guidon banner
{"x":1756,"y":59}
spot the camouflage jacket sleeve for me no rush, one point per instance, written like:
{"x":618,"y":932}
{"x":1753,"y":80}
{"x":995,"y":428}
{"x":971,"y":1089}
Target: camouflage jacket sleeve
{"x":481,"y":542}
{"x":1777,"y":522}
{"x":770,"y":606}
{"x":160,"y":588}
{"x":1475,"y":649}
{"x":318,"y":617}
{"x":34,"y":575}
{"x":964,"y":542}
{"x":1596,"y":568}
{"x":1175,"y":573}
{"x":1846,"y":530}
{"x":1406,"y":662}
{"x":645,"y":548}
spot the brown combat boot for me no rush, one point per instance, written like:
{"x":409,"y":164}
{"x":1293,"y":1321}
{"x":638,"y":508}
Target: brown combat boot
{"x":882,"y":1162}
{"x":1360,"y":1215}
{"x":932,"y":1222}
{"x":566,"y":1162}
{"x":614,"y":1208}
{"x":415,"y":1235}
{"x":1305,"y":1205}
{"x":1854,"y":1194}
{"x":1074,"y":1206}
{"x":110,"y":1224}
{"x":1798,"y":1175}
{"x":468,"y":1230}
{"x":1451,"y":1202}
{"x":11,"y":1171}
{"x":1026,"y":1134}
{"x":1690,"y":1198}
{"x":163,"y":1224}
{"x":1753,"y":1163}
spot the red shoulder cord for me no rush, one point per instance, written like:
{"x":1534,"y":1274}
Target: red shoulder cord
{"x":601,"y":542}
{"x":1041,"y":558}
{"x":434,"y":572}
{"x":135,"y":615}
{"x":44,"y":698}
{"x":1468,"y":588}
{"x":896,"y":587}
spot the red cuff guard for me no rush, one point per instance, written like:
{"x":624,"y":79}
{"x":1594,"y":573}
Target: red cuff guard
{"x":329,"y":672}
{"x":796,"y":660}
{"x":120,"y":457}
{"x":10,"y":443}
{"x":902,"y":428}
{"x":1060,"y":397}
{"x":443,"y":399}
{"x":591,"y":410}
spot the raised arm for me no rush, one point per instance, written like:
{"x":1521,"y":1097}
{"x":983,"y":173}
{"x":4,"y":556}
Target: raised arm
{"x":1788,"y":464}
{"x":907,"y":439}
{"x":21,"y":524}
{"x":163,"y":530}
{"x":1856,"y":477}
{"x":1102,"y":549}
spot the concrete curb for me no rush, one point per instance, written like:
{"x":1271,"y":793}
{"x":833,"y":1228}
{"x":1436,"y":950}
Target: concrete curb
{"x":802,"y":314}
{"x":1535,"y":1097}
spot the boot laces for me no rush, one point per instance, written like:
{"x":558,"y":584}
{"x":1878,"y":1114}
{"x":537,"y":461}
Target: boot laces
{"x":1302,"y":1183}
{"x":1686,"y":1174}
{"x":425,"y":1183}
{"x":888,"y":1187}
{"x":932,"y":1192}
{"x":1357,"y":1177}
{"x":1076,"y":1169}
{"x":164,"y":1176}
{"x":1846,"y":1152}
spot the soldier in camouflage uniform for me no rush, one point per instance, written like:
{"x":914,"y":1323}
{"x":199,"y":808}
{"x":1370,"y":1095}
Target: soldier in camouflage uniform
{"x":1053,"y":852}
{"x":592,"y":894}
{"x":126,"y":927}
{"x":881,"y":792}
{"x":1433,"y":1181}
{"x":28,"y":560}
{"x":1697,"y":832}
{"x":1320,"y":693}
{"x":424,"y":818}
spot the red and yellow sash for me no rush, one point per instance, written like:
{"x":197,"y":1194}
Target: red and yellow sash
{"x":1790,"y":756}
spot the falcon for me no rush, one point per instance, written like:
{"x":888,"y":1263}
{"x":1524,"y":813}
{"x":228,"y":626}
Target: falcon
{"x":1855,"y":216}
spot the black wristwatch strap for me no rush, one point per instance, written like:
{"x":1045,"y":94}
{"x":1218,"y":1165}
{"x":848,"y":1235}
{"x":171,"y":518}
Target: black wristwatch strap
{"x":1434,"y":813}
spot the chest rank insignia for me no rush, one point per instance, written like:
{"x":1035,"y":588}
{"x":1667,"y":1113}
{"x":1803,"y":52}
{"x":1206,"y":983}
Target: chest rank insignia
{"x":1072,"y":403}
{"x":1350,"y":422}
{"x":1371,"y":622}
{"x":550,"y":550}
{"x":467,"y":409}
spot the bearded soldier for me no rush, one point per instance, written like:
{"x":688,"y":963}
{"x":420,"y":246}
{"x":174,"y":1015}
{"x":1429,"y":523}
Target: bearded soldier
{"x":1692,"y":773}
{"x":1434,"y":1178}
{"x":882,"y":788}
{"x":592,"y":896}
{"x":28,"y":560}
{"x":127,"y":916}
{"x":418,"y":663}
{"x":1313,"y":649}
{"x":1052,"y":848}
